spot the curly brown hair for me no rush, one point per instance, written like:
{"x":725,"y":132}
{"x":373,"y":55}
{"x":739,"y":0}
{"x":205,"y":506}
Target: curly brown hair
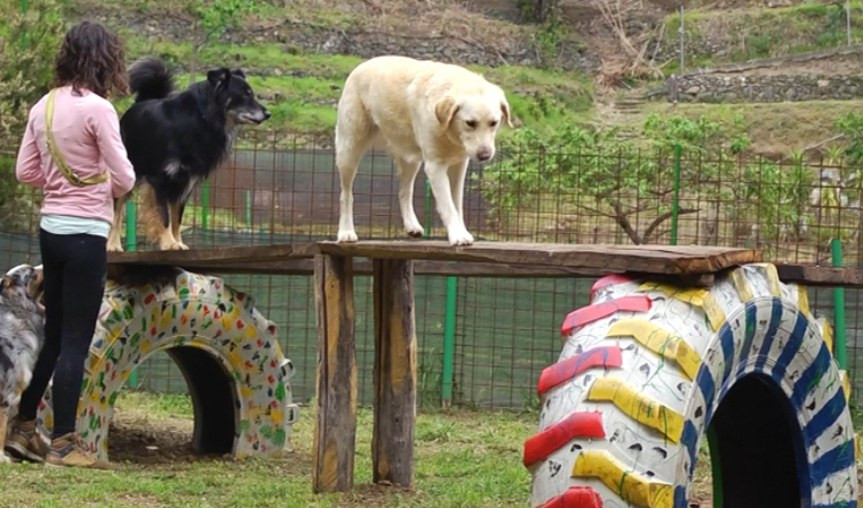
{"x":92,"y":57}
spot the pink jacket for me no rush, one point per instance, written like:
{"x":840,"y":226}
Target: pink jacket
{"x":87,"y":132}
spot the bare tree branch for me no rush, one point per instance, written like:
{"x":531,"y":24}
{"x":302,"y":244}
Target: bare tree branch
{"x":662,"y":218}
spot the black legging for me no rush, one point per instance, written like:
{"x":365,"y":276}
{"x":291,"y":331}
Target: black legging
{"x":74,"y":271}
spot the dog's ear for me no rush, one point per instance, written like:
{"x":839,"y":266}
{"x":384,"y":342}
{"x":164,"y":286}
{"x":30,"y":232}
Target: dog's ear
{"x":507,"y":115}
{"x":445,"y":111}
{"x":219,"y":77}
{"x":239,"y":73}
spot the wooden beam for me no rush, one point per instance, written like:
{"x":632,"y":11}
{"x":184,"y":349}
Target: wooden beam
{"x":395,"y":372}
{"x":652,"y":259}
{"x":811,"y":275}
{"x":336,"y":421}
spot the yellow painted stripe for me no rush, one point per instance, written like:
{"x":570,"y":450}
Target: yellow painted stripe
{"x":660,"y":341}
{"x":826,"y":332}
{"x":639,"y":407}
{"x":772,"y":275}
{"x":744,"y":290}
{"x":857,"y":447}
{"x":634,"y":488}
{"x":694,"y":296}
{"x":846,"y":384}
{"x":803,"y":299}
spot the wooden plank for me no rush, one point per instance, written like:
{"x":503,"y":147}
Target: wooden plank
{"x":395,"y":372}
{"x":217,"y":255}
{"x":336,"y":421}
{"x":516,"y":259}
{"x":812,"y":275}
{"x":607,"y":258}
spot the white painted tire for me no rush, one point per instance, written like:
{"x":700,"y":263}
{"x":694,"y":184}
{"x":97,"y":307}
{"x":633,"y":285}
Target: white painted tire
{"x":237,"y":376}
{"x":647,"y":367}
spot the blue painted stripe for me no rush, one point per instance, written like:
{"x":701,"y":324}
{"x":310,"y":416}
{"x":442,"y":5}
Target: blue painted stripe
{"x":680,"y":497}
{"x":834,"y":504}
{"x":689,"y":438}
{"x":826,"y":417}
{"x":726,"y":340}
{"x":837,"y":459}
{"x":707,"y":387}
{"x":810,"y":378}
{"x":791,"y":348}
{"x":772,"y":326}
{"x":765,"y":351}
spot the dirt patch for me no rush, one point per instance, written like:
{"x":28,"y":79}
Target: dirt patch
{"x":140,"y":439}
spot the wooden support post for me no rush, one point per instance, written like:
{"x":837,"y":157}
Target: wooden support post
{"x":395,"y":372}
{"x":336,"y":424}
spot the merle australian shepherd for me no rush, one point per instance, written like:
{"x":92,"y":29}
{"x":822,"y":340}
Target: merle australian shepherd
{"x":174,"y":141}
{"x":22,"y":334}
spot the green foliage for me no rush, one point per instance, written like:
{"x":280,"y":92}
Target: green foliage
{"x":30,"y":34}
{"x":29,"y":38}
{"x":595,"y":171}
{"x":851,"y":127}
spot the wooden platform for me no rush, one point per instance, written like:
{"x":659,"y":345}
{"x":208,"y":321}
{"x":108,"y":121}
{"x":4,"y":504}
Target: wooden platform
{"x":483,"y":259}
{"x":393,"y":265}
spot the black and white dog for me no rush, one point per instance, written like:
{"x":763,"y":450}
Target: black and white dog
{"x":22,"y":333}
{"x":175,"y":141}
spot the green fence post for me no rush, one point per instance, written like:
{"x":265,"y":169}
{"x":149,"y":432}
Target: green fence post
{"x":838,"y":308}
{"x":675,"y":203}
{"x":131,"y":245}
{"x":449,"y":341}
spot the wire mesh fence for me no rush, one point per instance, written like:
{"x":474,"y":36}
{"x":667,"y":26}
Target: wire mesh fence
{"x":488,"y":349}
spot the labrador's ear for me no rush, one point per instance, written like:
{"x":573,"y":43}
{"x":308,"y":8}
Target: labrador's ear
{"x":445,"y":111}
{"x":507,"y":116}
{"x":239,"y":73}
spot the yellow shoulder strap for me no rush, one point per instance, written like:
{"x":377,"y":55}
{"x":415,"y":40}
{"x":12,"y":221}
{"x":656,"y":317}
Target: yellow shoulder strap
{"x":55,"y":153}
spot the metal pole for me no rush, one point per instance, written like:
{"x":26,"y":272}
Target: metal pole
{"x":675,"y":203}
{"x":682,"y":33}
{"x":449,"y":342}
{"x":838,"y":308}
{"x":132,"y":245}
{"x":848,"y":20}
{"x":205,"y":205}
{"x":249,"y":209}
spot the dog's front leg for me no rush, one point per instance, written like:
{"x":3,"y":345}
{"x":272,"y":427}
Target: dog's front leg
{"x":4,"y":416}
{"x":176,"y":218}
{"x":438,"y":176}
{"x":114,"y":243}
{"x":166,"y":236}
{"x":457,"y":175}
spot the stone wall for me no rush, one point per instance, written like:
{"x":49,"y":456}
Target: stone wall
{"x":305,"y":38}
{"x":735,"y":88}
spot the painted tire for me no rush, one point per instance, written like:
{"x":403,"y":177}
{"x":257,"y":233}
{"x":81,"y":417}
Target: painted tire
{"x":236,"y":373}
{"x":647,"y":367}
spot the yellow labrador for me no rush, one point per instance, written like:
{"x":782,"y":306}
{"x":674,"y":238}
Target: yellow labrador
{"x":419,"y":111}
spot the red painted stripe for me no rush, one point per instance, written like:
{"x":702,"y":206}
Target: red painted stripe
{"x":575,"y":497}
{"x":591,"y":313}
{"x":608,"y":280}
{"x":583,"y":425}
{"x":564,"y":370}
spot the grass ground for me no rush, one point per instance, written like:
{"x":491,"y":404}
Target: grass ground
{"x":463,"y":458}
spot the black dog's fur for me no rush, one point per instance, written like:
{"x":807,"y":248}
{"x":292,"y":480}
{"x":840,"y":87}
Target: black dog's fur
{"x":176,"y":141}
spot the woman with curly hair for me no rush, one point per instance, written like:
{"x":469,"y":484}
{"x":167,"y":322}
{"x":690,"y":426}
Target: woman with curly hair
{"x":73,"y":151}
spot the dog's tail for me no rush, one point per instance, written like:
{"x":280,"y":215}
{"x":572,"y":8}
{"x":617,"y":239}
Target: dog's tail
{"x":150,"y":78}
